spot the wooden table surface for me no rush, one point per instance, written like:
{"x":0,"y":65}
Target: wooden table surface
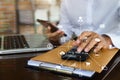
{"x":13,"y":67}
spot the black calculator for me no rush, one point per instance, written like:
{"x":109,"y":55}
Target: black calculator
{"x":74,"y":55}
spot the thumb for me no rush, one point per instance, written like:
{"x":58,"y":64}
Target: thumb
{"x":57,"y":33}
{"x":48,"y":29}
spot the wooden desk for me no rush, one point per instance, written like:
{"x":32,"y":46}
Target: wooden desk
{"x":13,"y":67}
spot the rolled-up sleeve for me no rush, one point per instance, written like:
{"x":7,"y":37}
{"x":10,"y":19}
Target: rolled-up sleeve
{"x":115,"y":39}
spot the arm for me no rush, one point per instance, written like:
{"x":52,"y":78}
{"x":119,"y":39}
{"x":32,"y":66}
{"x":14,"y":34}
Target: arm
{"x":104,"y":37}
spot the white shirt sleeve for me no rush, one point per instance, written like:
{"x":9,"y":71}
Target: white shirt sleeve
{"x":115,"y":39}
{"x":103,"y":14}
{"x":114,"y":34}
{"x":64,"y":24}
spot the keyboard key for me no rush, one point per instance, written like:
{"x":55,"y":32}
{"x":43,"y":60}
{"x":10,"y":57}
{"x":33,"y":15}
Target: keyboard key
{"x":15,"y":42}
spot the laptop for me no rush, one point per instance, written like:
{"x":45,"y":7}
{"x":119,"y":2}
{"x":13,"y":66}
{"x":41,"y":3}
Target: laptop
{"x":21,"y":43}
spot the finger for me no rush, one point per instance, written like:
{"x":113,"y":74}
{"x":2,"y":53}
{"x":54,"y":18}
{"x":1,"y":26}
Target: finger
{"x":62,"y":34}
{"x":76,"y":43}
{"x":57,"y":33}
{"x":107,"y":46}
{"x":85,"y":34}
{"x":54,"y":24}
{"x":48,"y":29}
{"x":81,"y":37}
{"x":82,"y":45}
{"x":91,"y":45}
{"x":98,"y":47}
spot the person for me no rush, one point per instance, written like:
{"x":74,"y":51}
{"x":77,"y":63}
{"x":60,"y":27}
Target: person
{"x":96,"y":23}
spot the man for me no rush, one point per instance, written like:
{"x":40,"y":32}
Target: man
{"x":96,"y":23}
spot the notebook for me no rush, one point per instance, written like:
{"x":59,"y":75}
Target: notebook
{"x":52,"y":61}
{"x":19,"y":43}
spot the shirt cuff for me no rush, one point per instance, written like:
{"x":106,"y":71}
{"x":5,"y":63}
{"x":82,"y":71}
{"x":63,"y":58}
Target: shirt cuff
{"x":64,"y":39}
{"x":115,"y":40}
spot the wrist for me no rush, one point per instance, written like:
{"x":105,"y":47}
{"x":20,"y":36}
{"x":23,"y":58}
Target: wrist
{"x":108,"y":39}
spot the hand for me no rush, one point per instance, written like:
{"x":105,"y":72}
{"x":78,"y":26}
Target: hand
{"x":53,"y":37}
{"x":90,"y":40}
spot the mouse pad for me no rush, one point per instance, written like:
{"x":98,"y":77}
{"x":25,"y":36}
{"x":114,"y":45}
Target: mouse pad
{"x":95,"y":62}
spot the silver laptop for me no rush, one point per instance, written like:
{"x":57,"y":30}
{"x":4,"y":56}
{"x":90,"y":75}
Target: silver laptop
{"x":18,"y":43}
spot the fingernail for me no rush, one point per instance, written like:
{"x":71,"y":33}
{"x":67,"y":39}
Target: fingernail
{"x":79,"y":50}
{"x":95,"y":51}
{"x":78,"y":41}
{"x":86,"y":50}
{"x":49,"y":27}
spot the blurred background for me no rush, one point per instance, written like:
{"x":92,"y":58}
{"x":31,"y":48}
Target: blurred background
{"x":19,"y":16}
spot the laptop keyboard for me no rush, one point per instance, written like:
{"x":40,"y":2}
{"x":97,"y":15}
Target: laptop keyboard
{"x":14,"y":42}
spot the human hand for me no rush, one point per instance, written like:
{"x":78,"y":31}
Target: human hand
{"x":53,"y":36}
{"x":90,"y":40}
